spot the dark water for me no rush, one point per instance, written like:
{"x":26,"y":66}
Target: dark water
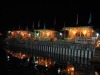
{"x":15,"y":66}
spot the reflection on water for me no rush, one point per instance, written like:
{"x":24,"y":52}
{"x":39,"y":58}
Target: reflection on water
{"x":18,"y":66}
{"x":20,"y":63}
{"x":26,"y":66}
{"x":47,"y":62}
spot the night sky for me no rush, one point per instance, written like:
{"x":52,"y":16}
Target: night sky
{"x":13,"y":15}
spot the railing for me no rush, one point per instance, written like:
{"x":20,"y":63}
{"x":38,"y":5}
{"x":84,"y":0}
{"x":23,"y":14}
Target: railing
{"x":60,"y":51}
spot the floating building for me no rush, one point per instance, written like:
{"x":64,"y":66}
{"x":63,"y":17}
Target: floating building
{"x":45,"y":34}
{"x":83,"y":34}
{"x":77,"y":46}
{"x":83,"y":31}
{"x":20,"y":34}
{"x":74,"y":44}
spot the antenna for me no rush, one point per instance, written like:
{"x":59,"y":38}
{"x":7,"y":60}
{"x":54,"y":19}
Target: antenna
{"x":90,"y":18}
{"x":54,"y":22}
{"x":77,"y":20}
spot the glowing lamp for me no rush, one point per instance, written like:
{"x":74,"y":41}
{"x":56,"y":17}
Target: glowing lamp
{"x":58,"y":70}
{"x":9,"y":31}
{"x":97,"y":34}
{"x":12,"y":33}
{"x":37,"y":34}
{"x":68,"y":70}
{"x":72,"y":69}
{"x":28,"y":59}
{"x":84,"y":32}
{"x":36,"y":62}
{"x":60,"y":34}
{"x":8,"y":57}
{"x":29,"y":34}
{"x":48,"y":33}
{"x":74,"y":32}
{"x":22,"y":34}
{"x":46,"y":65}
{"x":18,"y":32}
{"x":23,"y":55}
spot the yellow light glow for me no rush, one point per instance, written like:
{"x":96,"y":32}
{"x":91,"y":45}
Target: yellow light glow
{"x":48,"y":33}
{"x":68,"y":70}
{"x":72,"y":69}
{"x":79,"y":31}
{"x":12,"y":33}
{"x":74,"y":32}
{"x":98,"y":43}
{"x":84,"y":32}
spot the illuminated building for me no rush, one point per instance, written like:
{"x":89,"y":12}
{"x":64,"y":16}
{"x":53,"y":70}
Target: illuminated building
{"x":85,"y":31}
{"x":78,"y":45}
{"x":85,"y":34}
{"x":20,"y":34}
{"x":45,"y":34}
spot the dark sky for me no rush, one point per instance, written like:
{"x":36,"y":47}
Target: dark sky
{"x":13,"y":15}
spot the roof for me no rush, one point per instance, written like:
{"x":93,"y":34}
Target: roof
{"x":44,"y":30}
{"x":78,"y":27}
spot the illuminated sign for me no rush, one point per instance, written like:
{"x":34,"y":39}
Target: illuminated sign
{"x":85,"y":40}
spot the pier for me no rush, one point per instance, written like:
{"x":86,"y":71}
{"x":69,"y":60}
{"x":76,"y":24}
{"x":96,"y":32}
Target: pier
{"x":58,"y":51}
